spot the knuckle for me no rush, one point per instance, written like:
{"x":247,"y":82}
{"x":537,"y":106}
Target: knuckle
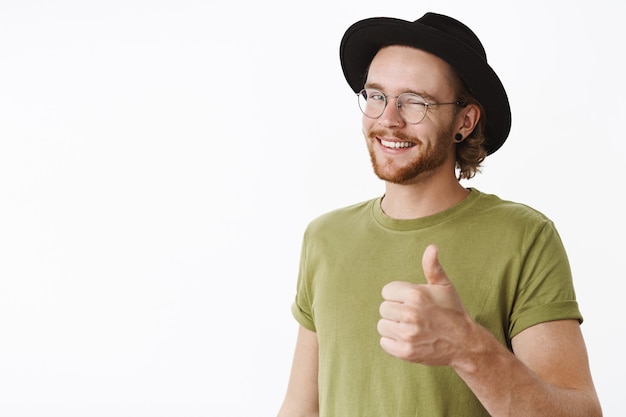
{"x":416,"y":294}
{"x":406,"y":351}
{"x":410,"y":332}
{"x":408,"y":315}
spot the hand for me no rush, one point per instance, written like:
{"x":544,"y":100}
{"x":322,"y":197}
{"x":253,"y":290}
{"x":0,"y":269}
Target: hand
{"x":424,"y":323}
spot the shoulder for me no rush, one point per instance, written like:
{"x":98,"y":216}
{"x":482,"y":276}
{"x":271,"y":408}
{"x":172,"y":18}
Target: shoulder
{"x":500,"y":209}
{"x":509,"y":220}
{"x":341,"y":218}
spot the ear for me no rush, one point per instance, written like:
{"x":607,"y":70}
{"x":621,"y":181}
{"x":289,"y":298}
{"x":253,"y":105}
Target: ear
{"x":470,"y":117}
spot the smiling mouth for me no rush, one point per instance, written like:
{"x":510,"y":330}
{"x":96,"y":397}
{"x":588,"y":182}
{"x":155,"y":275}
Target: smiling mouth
{"x":396,"y":145}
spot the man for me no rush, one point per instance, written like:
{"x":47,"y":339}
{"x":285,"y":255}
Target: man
{"x":434,"y":300}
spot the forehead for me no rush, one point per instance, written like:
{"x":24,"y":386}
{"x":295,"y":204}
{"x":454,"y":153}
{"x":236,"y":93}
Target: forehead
{"x":403,"y":68}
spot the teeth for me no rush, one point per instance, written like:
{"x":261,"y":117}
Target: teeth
{"x":396,"y":145}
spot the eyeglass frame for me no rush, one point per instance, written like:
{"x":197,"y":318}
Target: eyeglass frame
{"x":425,"y":103}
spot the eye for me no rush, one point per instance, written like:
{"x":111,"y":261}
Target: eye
{"x":373,"y":95}
{"x":411,"y":100}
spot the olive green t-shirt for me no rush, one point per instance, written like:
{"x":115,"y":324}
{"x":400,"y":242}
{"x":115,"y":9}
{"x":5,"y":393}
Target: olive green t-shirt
{"x":505,"y":259}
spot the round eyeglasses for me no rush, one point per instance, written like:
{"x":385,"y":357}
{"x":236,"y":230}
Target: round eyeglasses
{"x":411,"y":107}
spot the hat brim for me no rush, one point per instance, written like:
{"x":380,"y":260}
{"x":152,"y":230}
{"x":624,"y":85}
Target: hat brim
{"x":365,"y":38}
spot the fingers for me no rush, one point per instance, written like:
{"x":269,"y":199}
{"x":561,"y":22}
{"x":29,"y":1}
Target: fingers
{"x":394,"y":311}
{"x":392,"y":330}
{"x":417,"y":318}
{"x":396,"y":338}
{"x":433,"y":271}
{"x":396,"y":291}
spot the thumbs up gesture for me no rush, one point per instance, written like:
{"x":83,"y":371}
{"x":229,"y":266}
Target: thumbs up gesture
{"x":424,"y":323}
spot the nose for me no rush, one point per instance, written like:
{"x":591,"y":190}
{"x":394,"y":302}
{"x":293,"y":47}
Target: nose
{"x":391,"y":115}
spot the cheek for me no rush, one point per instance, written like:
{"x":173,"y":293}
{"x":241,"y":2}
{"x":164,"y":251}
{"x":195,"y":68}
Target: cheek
{"x":366,"y":123}
{"x":366,"y":127}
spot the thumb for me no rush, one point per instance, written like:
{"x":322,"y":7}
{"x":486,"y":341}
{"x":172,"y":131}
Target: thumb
{"x":435,"y":275}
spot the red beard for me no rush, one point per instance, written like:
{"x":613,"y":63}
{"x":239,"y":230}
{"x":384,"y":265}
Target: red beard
{"x":428,"y":159}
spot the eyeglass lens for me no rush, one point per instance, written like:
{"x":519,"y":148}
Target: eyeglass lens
{"x":411,"y":107}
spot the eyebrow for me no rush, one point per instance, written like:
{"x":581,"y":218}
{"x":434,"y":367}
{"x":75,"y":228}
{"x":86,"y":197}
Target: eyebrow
{"x":420,"y":93}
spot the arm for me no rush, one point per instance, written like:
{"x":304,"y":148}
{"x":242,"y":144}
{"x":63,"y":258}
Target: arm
{"x":548,"y":375}
{"x":301,"y":399}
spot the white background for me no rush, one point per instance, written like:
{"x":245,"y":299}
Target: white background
{"x":159,"y":161}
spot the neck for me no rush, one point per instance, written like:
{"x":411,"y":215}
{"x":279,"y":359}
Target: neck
{"x":421,"y":199}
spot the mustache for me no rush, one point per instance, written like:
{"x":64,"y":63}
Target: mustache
{"x":396,"y":135}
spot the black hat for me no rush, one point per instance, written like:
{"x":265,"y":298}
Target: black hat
{"x":444,"y":37}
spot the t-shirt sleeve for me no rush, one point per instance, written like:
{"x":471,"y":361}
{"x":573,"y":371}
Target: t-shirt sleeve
{"x":301,"y":308}
{"x":546,"y":291}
